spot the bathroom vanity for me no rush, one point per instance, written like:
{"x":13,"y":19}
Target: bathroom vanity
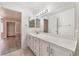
{"x":46,"y":45}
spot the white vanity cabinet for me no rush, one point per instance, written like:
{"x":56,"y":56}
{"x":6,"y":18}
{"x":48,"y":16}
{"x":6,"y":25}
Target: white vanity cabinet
{"x":36,"y":46}
{"x":41,"y":47}
{"x":59,"y":51}
{"x":44,"y":48}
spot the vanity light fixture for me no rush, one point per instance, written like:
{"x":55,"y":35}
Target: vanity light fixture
{"x":39,"y":14}
{"x":42,"y":13}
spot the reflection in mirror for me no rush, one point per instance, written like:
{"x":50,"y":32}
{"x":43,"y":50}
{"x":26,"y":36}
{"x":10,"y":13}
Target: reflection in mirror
{"x":37,"y":23}
{"x":31,"y":23}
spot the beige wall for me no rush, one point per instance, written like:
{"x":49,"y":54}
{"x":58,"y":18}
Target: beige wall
{"x":10,"y":16}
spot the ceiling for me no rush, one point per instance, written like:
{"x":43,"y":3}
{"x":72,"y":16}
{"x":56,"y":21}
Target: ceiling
{"x":35,"y":7}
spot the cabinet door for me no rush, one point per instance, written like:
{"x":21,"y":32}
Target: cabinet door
{"x":44,"y":48}
{"x":59,"y":51}
{"x":36,"y":46}
{"x":28,"y":40}
{"x":51,"y":50}
{"x":31,"y":42}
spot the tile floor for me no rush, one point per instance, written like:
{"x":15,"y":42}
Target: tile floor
{"x":9,"y":44}
{"x":20,"y":52}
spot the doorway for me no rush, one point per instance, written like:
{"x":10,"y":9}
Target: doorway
{"x":10,"y":29}
{"x":46,"y":25}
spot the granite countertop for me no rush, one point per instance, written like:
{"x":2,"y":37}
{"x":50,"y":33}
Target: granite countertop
{"x":63,"y":42}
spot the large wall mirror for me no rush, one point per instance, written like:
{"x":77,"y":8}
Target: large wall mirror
{"x":32,"y":23}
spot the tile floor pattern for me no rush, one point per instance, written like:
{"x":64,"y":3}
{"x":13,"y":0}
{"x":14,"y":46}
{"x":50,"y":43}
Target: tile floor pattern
{"x":20,"y":52}
{"x":9,"y":44}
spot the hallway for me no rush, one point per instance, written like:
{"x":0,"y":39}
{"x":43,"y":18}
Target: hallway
{"x":9,"y":44}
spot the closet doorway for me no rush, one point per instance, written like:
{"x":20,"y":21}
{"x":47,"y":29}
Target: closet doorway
{"x":10,"y":29}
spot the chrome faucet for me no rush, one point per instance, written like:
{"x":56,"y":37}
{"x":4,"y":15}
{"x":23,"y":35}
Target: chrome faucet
{"x":36,"y":32}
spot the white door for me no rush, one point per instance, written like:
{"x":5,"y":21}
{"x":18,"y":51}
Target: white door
{"x":36,"y":46}
{"x":44,"y":48}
